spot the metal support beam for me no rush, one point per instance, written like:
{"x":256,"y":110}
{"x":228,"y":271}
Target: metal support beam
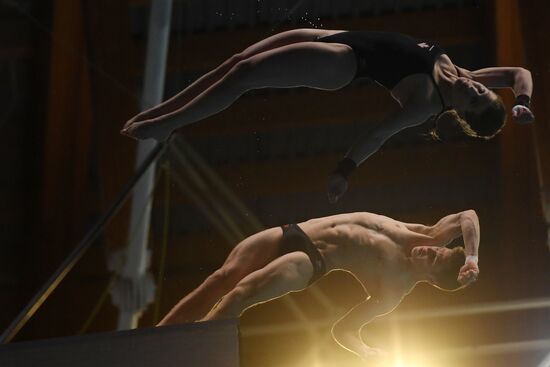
{"x":69,"y":263}
{"x":135,"y":289}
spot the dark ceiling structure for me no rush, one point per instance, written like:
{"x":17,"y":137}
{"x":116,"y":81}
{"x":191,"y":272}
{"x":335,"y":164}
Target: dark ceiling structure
{"x":72,"y":73}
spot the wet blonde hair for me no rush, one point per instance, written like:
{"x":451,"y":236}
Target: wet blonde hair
{"x":483,"y":125}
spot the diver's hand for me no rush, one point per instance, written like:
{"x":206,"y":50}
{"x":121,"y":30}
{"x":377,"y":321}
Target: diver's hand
{"x":468,"y":273}
{"x":374,"y":356}
{"x":337,"y":185}
{"x":522,"y":114}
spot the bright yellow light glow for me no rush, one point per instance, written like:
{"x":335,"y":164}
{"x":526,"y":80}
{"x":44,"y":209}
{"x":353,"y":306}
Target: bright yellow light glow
{"x":403,"y":364}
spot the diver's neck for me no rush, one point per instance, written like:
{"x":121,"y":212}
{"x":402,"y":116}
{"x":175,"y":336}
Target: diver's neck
{"x":445,"y":82}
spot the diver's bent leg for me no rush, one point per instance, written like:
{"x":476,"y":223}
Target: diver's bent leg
{"x":288,"y":273}
{"x":187,"y":94}
{"x":249,"y":255}
{"x":204,"y":82}
{"x":300,"y":64}
{"x":197,"y":303}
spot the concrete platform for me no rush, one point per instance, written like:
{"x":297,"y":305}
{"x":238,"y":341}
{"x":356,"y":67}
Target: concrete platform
{"x":205,"y":344}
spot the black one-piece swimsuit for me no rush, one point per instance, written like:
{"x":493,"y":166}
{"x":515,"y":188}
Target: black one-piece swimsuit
{"x":388,"y":57}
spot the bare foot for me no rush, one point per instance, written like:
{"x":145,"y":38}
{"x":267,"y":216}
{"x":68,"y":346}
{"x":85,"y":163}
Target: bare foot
{"x":149,"y":129}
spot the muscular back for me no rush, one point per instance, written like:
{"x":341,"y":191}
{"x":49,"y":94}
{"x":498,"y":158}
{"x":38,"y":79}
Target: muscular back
{"x":372,"y":247}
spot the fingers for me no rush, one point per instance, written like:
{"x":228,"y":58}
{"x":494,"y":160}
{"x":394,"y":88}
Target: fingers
{"x":336,"y":187}
{"x":468,"y":266}
{"x":468,"y":272}
{"x":373,"y":354}
{"x":524,"y":118}
{"x":332,"y":198}
{"x":467,"y":277}
{"x":522,"y":114}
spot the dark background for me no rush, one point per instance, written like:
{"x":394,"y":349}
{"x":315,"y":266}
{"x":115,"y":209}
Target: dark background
{"x":72,"y":73}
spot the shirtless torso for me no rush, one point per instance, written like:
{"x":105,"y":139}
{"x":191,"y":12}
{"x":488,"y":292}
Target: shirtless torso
{"x":374,"y":248}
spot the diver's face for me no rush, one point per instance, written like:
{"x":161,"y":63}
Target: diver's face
{"x":428,"y":259}
{"x":471,"y":96}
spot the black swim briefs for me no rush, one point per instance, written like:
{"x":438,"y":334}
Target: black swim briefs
{"x":294,"y":239}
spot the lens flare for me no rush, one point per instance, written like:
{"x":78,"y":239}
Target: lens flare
{"x":404,"y":364}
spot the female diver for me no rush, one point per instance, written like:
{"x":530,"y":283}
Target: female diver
{"x":417,"y":73}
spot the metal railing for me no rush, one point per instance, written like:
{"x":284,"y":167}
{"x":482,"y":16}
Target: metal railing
{"x":51,"y":284}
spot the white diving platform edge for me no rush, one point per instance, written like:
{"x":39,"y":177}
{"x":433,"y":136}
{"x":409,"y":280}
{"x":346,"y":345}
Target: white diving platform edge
{"x":201,"y":344}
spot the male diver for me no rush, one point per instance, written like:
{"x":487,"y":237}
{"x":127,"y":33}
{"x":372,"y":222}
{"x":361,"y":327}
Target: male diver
{"x":387,"y":256}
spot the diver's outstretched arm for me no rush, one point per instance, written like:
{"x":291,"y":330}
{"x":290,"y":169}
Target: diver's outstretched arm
{"x":517,"y":78}
{"x":465,"y":224}
{"x":369,"y":142}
